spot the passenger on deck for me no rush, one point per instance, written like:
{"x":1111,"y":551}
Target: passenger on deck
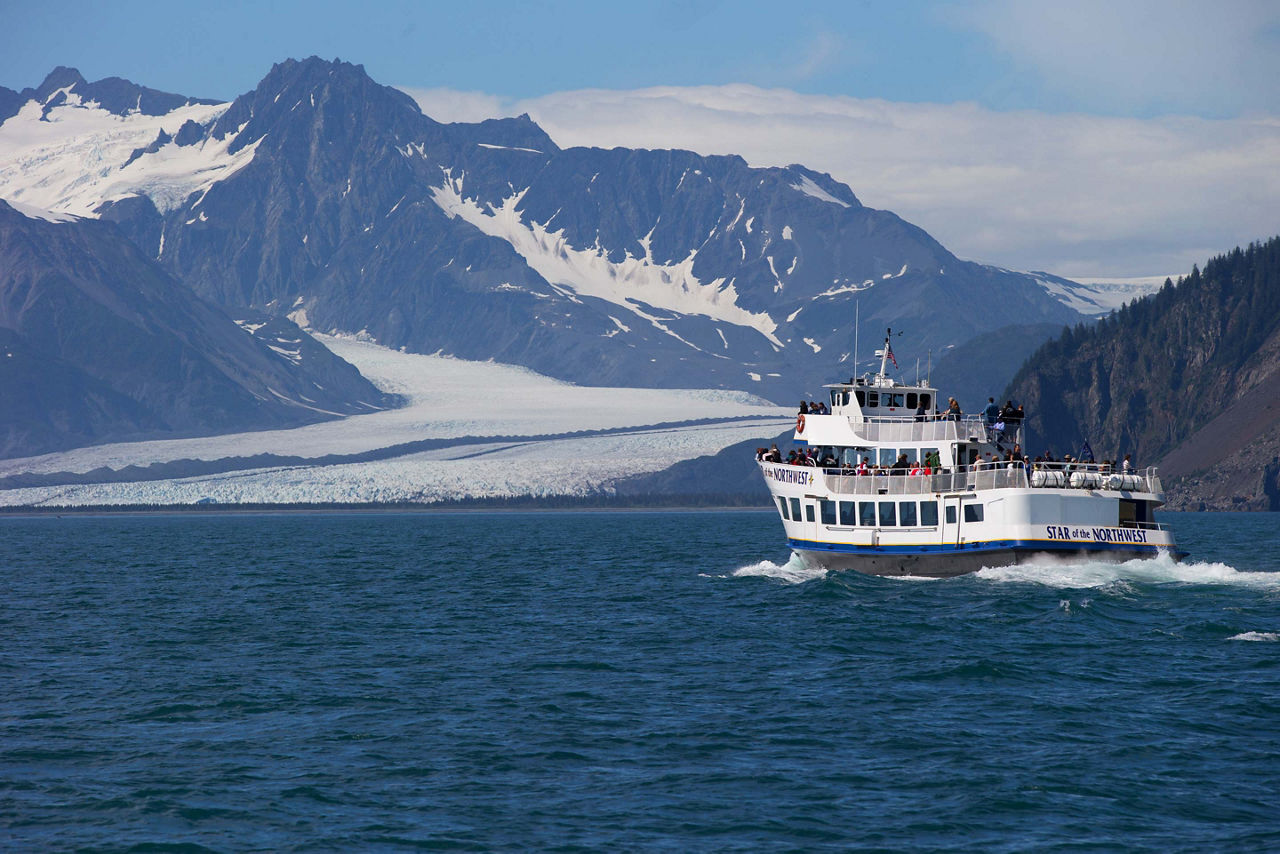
{"x":804,"y":408}
{"x":991,"y":413}
{"x":1126,"y":465}
{"x":862,"y":467}
{"x":953,"y":409}
{"x":901,"y":467}
{"x":920,"y":412}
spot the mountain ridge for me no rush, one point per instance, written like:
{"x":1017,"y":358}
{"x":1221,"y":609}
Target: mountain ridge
{"x":101,"y":344}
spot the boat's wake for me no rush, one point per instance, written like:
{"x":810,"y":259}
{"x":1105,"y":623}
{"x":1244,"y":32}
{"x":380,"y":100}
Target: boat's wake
{"x":794,"y":571}
{"x":1160,"y":570}
{"x":1058,"y":573}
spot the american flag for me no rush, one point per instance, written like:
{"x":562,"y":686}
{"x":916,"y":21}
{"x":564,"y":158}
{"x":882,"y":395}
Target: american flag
{"x":889,"y":352}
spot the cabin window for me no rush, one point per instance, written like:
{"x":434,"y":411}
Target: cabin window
{"x":888,"y":399}
{"x":828,"y":509}
{"x":973,"y":512}
{"x":862,"y":397}
{"x":782,"y":508}
{"x":887,"y":514}
{"x":873,"y":399}
{"x":808,"y":512}
{"x":912,"y":400}
{"x":888,"y":456}
{"x":928,"y":513}
{"x":907,"y":514}
{"x":867,"y":514}
{"x":925,"y":400}
{"x":911,"y":454}
{"x":795,"y":510}
{"x":951,"y":514}
{"x":847,"y":514}
{"x":928,"y":452}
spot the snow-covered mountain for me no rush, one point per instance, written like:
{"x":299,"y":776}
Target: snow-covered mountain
{"x":330,"y":198}
{"x":98,"y":342}
{"x":1101,"y":296}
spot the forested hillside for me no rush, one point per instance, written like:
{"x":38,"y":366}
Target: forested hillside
{"x":1188,"y":378}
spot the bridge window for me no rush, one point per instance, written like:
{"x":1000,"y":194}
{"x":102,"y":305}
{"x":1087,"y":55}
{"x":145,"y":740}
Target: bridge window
{"x":828,"y":512}
{"x":973,"y":512}
{"x":873,"y":399}
{"x":782,"y":508}
{"x":907,"y":514}
{"x":795,"y":510}
{"x":929,"y":513}
{"x":911,"y":400}
{"x":888,"y":399}
{"x":867,"y":514}
{"x":847,"y":514}
{"x":862,"y":397}
{"x":926,"y":400}
{"x":887,"y":514}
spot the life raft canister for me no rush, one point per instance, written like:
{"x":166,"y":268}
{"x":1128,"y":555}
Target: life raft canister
{"x":799,"y":423}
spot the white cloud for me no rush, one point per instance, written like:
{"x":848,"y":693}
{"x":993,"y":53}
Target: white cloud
{"x":451,"y":105}
{"x":1073,"y":194}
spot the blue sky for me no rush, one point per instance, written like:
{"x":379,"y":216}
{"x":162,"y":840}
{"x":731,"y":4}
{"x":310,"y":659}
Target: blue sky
{"x":997,"y":54}
{"x":877,"y":93}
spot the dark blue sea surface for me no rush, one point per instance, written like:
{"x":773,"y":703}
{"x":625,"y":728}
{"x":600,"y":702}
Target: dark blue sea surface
{"x":622,"y":681}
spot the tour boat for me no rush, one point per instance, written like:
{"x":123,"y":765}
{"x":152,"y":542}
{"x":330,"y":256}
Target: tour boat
{"x":954,"y":503}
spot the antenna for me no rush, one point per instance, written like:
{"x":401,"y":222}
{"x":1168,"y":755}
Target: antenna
{"x":857,"y":308}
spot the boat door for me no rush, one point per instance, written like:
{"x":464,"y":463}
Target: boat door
{"x":951,"y":521}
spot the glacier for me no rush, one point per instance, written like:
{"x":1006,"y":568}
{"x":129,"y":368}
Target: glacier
{"x":460,"y":402}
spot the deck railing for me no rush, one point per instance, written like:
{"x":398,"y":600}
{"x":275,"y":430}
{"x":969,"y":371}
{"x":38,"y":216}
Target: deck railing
{"x":977,"y":478}
{"x":970,"y":428}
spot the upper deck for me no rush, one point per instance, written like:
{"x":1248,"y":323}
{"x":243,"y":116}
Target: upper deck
{"x":840,"y":428}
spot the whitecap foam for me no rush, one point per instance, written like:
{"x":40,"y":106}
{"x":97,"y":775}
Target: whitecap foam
{"x":794,"y":571}
{"x":1160,"y":570}
{"x":1263,"y":637}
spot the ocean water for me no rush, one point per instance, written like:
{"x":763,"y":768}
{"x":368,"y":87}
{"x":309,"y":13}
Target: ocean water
{"x":622,"y":681}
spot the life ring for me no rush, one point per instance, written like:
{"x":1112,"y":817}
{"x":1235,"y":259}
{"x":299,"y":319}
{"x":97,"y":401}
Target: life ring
{"x":799,"y":423}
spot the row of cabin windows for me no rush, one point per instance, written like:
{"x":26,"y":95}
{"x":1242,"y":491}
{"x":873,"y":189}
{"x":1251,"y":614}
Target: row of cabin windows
{"x":894,"y":399}
{"x":877,"y":514}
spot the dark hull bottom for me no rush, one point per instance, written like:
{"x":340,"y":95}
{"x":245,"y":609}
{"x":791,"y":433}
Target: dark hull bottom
{"x":950,"y":564}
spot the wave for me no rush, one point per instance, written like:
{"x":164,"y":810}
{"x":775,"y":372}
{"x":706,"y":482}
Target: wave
{"x":1160,"y":570}
{"x":1264,"y":637}
{"x":794,"y":571}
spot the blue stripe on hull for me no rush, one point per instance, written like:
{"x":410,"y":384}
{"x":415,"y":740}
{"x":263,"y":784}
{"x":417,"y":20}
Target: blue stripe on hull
{"x":1046,"y":546}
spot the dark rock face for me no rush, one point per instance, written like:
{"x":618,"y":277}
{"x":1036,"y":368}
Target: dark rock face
{"x":630,"y":267}
{"x":1188,"y":379}
{"x":97,"y":343}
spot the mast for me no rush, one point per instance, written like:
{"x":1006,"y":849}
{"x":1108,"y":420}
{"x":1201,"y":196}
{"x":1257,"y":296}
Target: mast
{"x":884,"y":354}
